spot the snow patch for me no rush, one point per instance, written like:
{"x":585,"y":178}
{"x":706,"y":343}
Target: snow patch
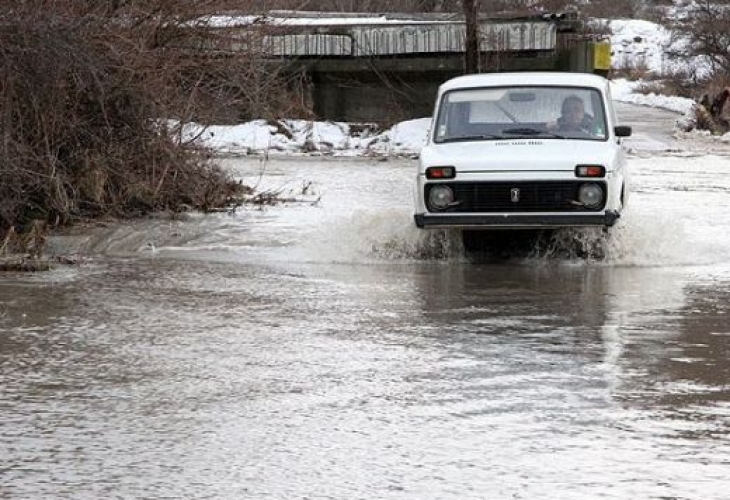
{"x":623,"y":90}
{"x":311,"y":137}
{"x":637,"y":44}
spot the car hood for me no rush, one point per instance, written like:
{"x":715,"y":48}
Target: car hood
{"x":520,"y":155}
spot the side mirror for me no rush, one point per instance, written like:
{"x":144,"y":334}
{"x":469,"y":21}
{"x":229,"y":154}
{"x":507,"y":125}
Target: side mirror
{"x":622,"y":131}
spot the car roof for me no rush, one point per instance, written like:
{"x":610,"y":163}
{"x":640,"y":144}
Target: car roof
{"x":525,"y":78}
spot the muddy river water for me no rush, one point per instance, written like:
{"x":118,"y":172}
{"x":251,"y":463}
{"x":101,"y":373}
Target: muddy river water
{"x":326,"y":349}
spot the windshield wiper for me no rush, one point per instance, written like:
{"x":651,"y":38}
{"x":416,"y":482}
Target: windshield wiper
{"x":472,"y":137}
{"x":531,"y":131}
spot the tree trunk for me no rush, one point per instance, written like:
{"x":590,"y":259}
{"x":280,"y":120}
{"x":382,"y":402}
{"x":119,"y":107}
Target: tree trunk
{"x":471,"y":54}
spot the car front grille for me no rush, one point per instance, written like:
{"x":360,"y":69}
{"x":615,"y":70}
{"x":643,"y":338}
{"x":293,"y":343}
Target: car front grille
{"x":541,"y":196}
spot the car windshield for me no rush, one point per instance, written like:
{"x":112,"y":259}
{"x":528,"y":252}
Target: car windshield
{"x":521,"y":112}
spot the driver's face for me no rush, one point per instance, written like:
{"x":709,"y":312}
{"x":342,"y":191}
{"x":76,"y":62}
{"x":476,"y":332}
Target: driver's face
{"x":573,"y":113}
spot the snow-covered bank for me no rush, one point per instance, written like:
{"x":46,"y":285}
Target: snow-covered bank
{"x":319,"y":138}
{"x":295,"y":137}
{"x":286,"y":137}
{"x":635,"y":44}
{"x":623,"y":90}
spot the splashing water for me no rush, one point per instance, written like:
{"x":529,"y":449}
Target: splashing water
{"x":639,"y":240}
{"x":677,"y":217}
{"x":382,"y":235}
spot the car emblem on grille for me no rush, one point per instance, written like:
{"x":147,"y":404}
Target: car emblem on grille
{"x":514,"y":195}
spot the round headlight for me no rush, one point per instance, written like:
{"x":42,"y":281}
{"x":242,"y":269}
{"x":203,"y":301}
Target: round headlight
{"x":440,"y":197}
{"x":590,"y":195}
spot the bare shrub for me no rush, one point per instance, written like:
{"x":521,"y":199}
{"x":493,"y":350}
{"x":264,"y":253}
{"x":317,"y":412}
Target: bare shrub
{"x":681,"y":82}
{"x":637,"y":70}
{"x":85,"y":92}
{"x":555,"y":5}
{"x":401,"y":6}
{"x":614,"y":9}
{"x":657,"y":87}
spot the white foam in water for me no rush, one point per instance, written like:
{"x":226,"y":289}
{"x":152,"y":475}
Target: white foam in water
{"x":678,"y":215}
{"x":641,"y":239}
{"x":379,"y":235}
{"x":663,"y":239}
{"x":646,"y":236}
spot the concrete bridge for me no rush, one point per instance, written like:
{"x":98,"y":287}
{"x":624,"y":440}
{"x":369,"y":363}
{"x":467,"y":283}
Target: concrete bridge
{"x":378,"y":68}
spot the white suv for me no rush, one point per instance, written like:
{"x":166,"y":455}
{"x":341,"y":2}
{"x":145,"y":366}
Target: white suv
{"x":522,"y":151}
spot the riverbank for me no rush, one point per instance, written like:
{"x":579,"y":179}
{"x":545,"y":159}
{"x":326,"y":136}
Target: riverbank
{"x":404,"y":139}
{"x":24,"y":264}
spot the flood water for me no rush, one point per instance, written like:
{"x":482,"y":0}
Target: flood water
{"x":324,"y":348}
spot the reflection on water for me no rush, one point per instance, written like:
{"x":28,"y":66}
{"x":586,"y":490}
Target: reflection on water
{"x":334,"y":351}
{"x":159,"y":378}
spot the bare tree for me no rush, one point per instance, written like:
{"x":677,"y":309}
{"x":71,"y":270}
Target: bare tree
{"x":705,"y":33}
{"x":702,"y":40}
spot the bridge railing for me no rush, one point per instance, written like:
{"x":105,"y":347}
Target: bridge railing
{"x":389,"y":40}
{"x":363,"y":37}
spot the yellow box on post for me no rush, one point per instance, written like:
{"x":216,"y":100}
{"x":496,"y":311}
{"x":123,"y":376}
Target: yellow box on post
{"x":602,"y":57}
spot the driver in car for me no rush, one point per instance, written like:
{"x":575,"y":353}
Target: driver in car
{"x":573,"y":117}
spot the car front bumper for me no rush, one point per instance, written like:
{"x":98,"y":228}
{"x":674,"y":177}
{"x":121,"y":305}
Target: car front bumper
{"x":514,"y":221}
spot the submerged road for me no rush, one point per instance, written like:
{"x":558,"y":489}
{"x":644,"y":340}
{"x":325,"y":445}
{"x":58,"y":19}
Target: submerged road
{"x":652,"y":127}
{"x":326,"y":349}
